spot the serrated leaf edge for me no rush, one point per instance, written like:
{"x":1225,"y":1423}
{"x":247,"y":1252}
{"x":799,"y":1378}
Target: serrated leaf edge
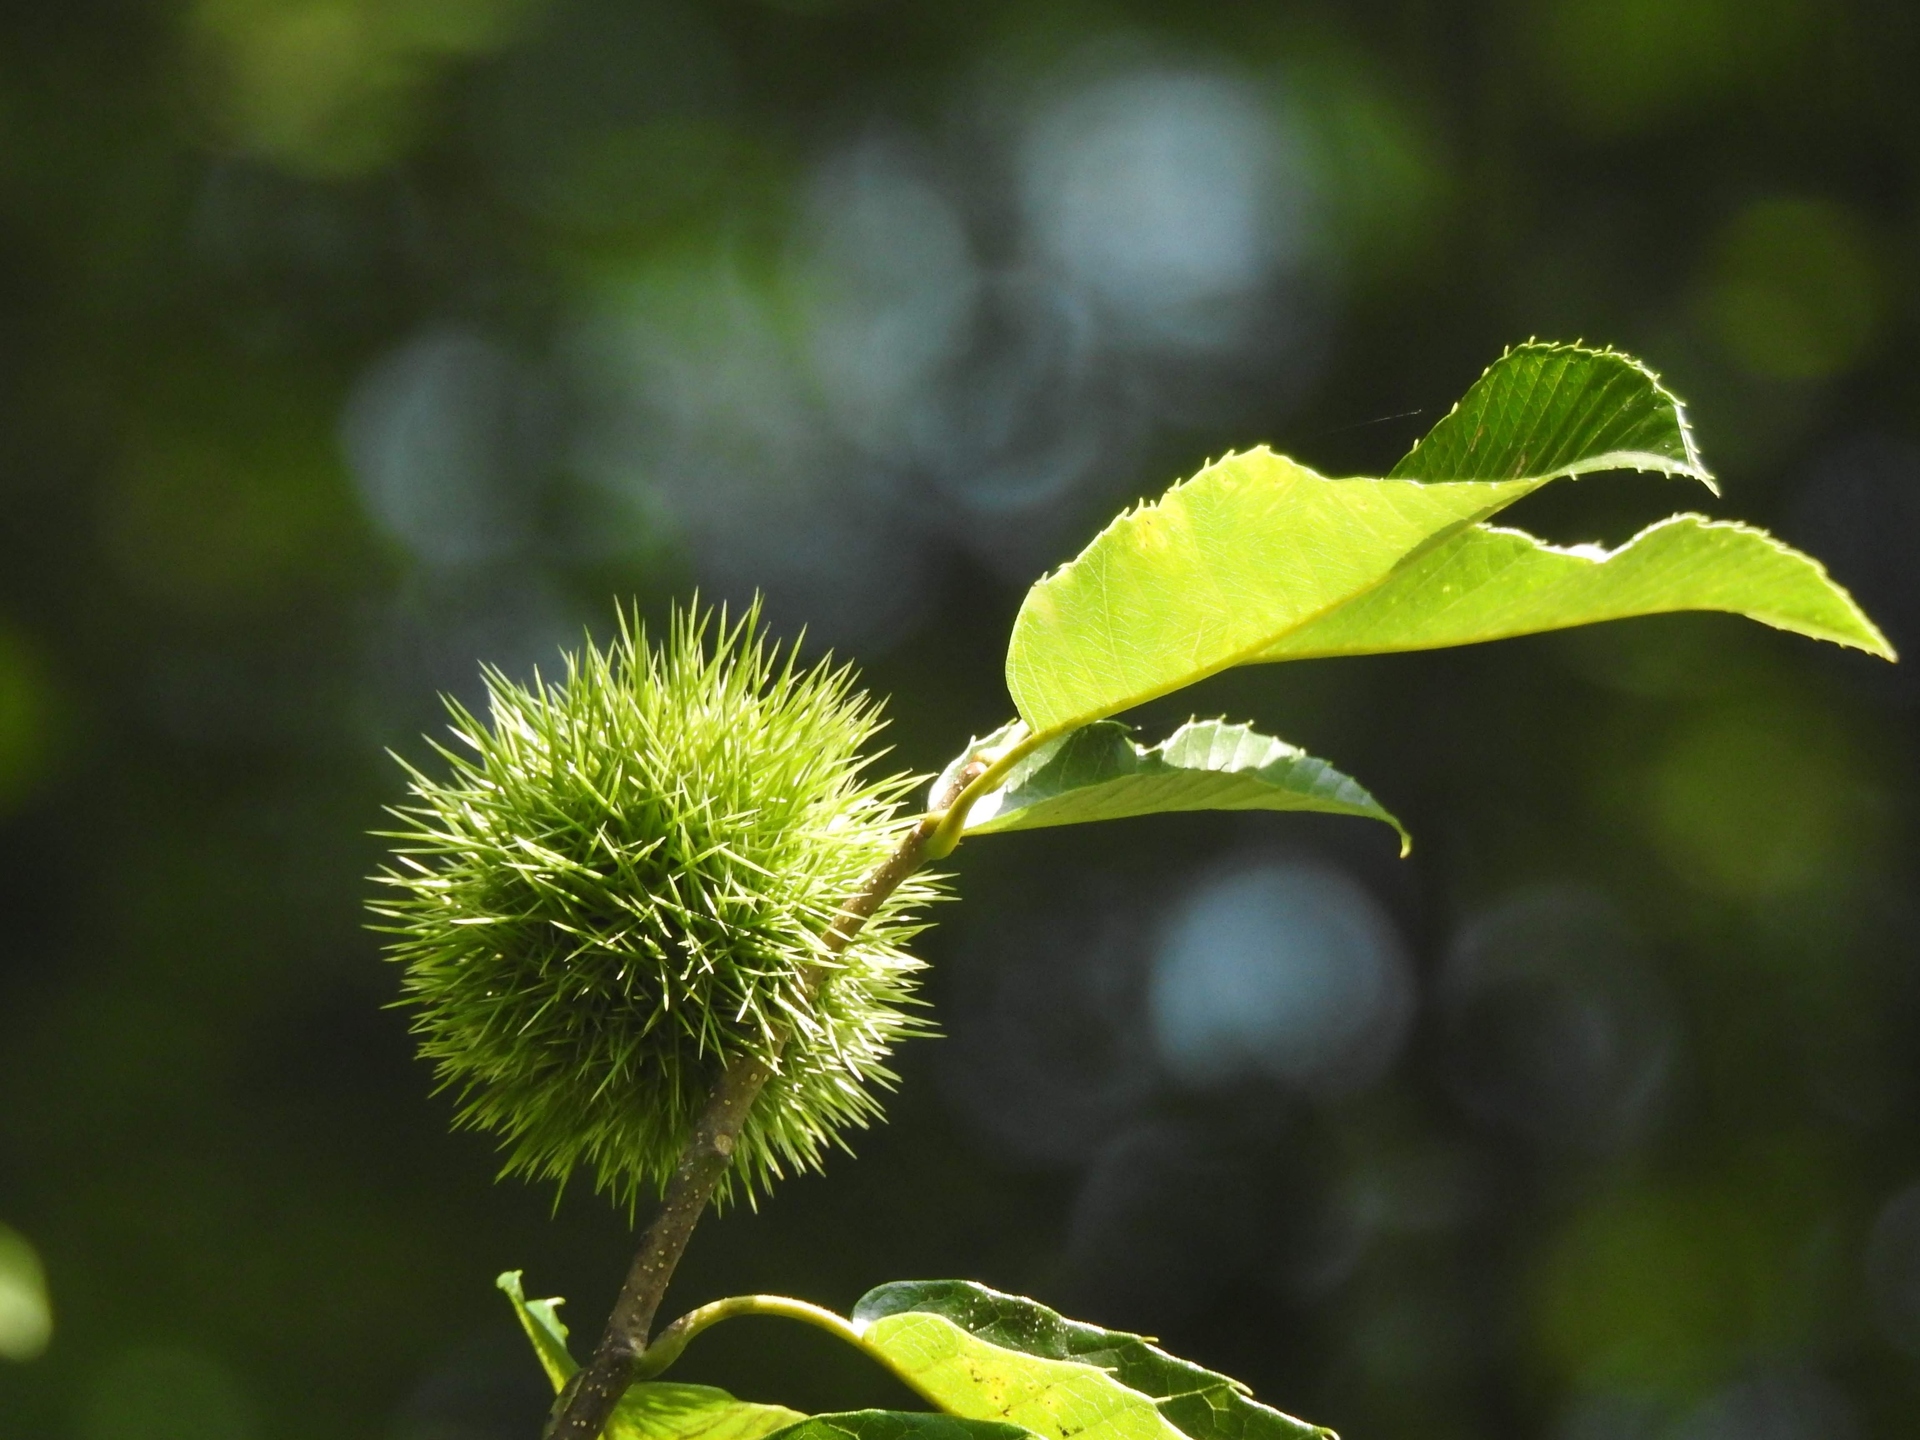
{"x":1366,"y":807}
{"x":1693,"y":468}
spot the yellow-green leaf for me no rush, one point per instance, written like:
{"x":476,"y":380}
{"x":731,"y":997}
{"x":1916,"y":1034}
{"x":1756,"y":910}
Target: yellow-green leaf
{"x":978,"y":1353}
{"x":1217,"y":570}
{"x":660,"y":1410}
{"x":1257,"y":558}
{"x":900,"y":1425}
{"x":1489,"y":582}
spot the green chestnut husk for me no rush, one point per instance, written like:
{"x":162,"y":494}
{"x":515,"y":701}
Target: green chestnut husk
{"x":620,"y":886}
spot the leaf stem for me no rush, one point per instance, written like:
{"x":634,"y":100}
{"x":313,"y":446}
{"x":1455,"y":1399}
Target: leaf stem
{"x":953,"y":819}
{"x":671,"y":1341}
{"x":588,"y":1401}
{"x":668,"y":1344}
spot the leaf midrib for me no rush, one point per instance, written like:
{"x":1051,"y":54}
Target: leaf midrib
{"x":1249,"y":653}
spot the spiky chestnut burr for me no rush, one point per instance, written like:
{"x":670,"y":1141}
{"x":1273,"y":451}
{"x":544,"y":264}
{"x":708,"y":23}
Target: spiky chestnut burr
{"x":622,"y":886}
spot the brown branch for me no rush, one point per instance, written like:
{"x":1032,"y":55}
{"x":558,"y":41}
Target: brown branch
{"x":587,"y":1403}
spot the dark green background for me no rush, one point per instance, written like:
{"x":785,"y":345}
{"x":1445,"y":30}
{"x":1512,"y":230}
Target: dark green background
{"x":575,"y":264}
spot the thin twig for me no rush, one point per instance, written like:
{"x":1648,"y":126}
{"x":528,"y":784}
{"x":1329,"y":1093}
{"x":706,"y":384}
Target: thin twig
{"x":584,"y":1407}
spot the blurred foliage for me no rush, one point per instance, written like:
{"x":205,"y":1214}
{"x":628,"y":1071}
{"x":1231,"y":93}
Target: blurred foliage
{"x":332,"y":88}
{"x":26,"y":1316}
{"x":344,"y":345}
{"x":1623,"y":66}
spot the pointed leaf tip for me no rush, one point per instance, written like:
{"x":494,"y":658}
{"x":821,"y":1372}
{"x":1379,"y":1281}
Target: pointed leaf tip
{"x":541,"y":1320}
{"x":1490,"y":582}
{"x":1257,"y":558}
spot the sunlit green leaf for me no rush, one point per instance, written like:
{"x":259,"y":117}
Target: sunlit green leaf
{"x":1215,"y":571}
{"x":1098,"y":773}
{"x":900,"y":1425}
{"x":985,"y":1355}
{"x":1223,"y":567}
{"x":1489,"y":582}
{"x":1553,"y":410}
{"x":651,"y":1410}
{"x":660,"y":1410}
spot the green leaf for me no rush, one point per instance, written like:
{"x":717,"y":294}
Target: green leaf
{"x":650,"y":1410}
{"x":1215,"y":571}
{"x":1098,"y":773}
{"x":1553,"y":410}
{"x":1489,"y":582}
{"x":900,"y":1425}
{"x":984,"y":1355}
{"x":1223,"y":567}
{"x":541,"y":1320}
{"x":660,"y":1410}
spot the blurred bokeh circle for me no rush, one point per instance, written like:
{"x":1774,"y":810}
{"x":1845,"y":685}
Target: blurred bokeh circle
{"x":1558,"y":1024}
{"x":1285,"y":970}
